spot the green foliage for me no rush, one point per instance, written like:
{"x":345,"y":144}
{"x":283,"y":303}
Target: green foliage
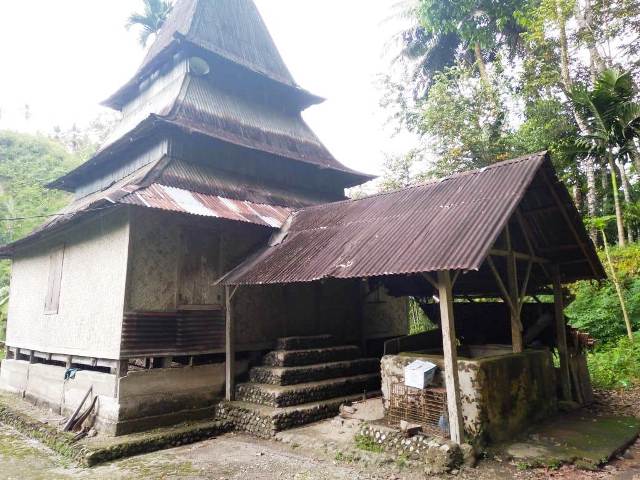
{"x":488,"y":23}
{"x":617,"y":364}
{"x":401,"y":171}
{"x":27,"y":163}
{"x":465,"y":121}
{"x":368,"y":444}
{"x":151,"y":19}
{"x":418,"y":320}
{"x":596,"y":308}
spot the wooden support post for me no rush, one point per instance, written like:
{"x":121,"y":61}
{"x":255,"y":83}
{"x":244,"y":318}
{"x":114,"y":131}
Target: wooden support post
{"x":122,"y":368}
{"x":514,"y":295}
{"x":561,"y":336}
{"x":230,"y":348}
{"x":445,"y":291}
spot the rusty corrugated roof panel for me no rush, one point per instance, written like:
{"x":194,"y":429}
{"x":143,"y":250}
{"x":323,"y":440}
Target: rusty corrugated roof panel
{"x":208,"y":107}
{"x":443,"y":225}
{"x":208,"y":180}
{"x":137,"y":189}
{"x":183,"y":201}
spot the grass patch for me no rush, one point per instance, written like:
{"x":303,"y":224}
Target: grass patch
{"x":368,"y":444}
{"x":345,"y":457}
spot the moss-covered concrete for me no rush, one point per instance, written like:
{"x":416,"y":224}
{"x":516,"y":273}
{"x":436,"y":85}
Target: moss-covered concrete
{"x":96,"y":450}
{"x":581,"y":439}
{"x":501,"y":395}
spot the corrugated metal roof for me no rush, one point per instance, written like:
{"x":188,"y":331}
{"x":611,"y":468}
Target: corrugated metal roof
{"x":201,"y":178}
{"x":231,"y":29}
{"x":183,"y":201}
{"x":444,"y":225}
{"x":210,"y":108}
{"x":138,"y":189}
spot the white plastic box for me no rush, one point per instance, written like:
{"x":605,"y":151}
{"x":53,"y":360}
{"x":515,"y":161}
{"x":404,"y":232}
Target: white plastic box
{"x":419,"y":374}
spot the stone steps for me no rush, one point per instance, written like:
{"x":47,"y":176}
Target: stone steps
{"x":297,"y":358}
{"x":313,"y":373}
{"x":290,"y":395}
{"x":265,"y":421}
{"x":301,"y":343}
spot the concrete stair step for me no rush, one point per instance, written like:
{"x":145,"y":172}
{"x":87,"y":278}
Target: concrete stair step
{"x":301,"y":343}
{"x":297,"y":358}
{"x":290,"y":395}
{"x":265,"y":421}
{"x":313,"y":373}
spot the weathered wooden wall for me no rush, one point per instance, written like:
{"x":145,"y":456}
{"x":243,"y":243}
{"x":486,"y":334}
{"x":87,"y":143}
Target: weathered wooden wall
{"x":175,"y":260}
{"x":92,"y":287}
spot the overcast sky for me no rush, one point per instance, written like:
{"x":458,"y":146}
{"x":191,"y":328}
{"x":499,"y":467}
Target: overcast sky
{"x":63,"y":57}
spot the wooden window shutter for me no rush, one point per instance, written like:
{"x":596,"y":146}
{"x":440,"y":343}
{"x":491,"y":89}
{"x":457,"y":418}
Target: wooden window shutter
{"x":52,"y":300}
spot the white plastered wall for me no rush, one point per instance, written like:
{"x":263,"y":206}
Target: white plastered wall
{"x":89,"y":318}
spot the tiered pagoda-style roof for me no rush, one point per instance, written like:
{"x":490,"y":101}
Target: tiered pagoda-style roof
{"x":247,"y":97}
{"x":212,"y":86}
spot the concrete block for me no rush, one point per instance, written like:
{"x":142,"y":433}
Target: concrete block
{"x":13,"y":374}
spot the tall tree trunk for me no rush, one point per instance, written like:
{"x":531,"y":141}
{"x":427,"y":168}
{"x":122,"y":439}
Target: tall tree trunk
{"x":616,"y":201}
{"x":584,"y":17}
{"x":592,"y":195}
{"x":482,"y":68}
{"x":577,"y":197}
{"x":626,"y":189}
{"x":616,"y":283}
{"x":564,"y":47}
{"x":565,"y":75}
{"x":635,"y":155}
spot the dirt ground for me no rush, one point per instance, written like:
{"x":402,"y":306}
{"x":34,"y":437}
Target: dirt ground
{"x":237,"y":456}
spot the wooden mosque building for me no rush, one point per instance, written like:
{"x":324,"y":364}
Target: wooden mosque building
{"x":209,"y":244}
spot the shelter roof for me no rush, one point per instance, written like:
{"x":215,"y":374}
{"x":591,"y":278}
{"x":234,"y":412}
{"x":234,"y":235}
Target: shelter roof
{"x":230,"y":29}
{"x":450,"y":224}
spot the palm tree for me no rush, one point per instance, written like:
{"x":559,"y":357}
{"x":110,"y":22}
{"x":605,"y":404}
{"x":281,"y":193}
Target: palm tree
{"x":613,"y":118}
{"x":151,"y":20}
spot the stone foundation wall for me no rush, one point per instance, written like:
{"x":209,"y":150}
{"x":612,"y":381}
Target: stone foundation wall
{"x":141,"y":400}
{"x":265,"y":424}
{"x":439,"y":455}
{"x":45,"y":385}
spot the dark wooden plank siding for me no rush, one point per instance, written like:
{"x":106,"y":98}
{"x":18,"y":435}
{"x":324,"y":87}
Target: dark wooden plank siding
{"x":172,"y":333}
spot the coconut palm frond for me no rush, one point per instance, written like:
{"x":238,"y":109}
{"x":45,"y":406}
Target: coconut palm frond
{"x":150,"y":21}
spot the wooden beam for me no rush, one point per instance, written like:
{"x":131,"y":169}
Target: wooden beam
{"x":230,"y":348}
{"x":552,"y":208}
{"x":514,"y":295}
{"x":503,"y":289}
{"x":454,"y":405}
{"x":529,"y":239}
{"x":431,"y":280}
{"x":561,"y":335}
{"x":569,"y":221}
{"x":496,"y":252}
{"x":525,"y":284}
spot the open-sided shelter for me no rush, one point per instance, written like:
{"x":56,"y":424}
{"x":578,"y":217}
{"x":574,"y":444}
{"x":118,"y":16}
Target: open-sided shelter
{"x":509,"y":231}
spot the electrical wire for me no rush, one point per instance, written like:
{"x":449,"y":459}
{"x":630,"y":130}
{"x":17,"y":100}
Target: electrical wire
{"x":16,"y":219}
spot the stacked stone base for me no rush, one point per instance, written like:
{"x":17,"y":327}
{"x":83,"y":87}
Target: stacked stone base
{"x":305,"y":380}
{"x":265,"y":422}
{"x":438,"y":455}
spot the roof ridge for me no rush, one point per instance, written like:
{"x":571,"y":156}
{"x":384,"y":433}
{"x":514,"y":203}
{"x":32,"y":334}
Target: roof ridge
{"x":453,"y":176}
